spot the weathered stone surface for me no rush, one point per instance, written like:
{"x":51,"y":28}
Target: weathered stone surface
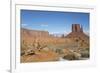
{"x":77,"y":28}
{"x":77,"y":32}
{"x":34,"y":33}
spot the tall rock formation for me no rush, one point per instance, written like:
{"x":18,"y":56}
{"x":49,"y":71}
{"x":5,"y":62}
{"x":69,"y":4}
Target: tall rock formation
{"x":77,"y":28}
{"x":77,"y":32}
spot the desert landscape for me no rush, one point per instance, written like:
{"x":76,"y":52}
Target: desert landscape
{"x":41,"y":46}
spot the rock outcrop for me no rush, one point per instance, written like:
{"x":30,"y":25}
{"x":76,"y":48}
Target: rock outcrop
{"x":34,"y":33}
{"x":77,"y":32}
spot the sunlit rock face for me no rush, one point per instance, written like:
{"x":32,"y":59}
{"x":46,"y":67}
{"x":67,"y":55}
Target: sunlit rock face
{"x":77,"y":32}
{"x":34,"y":33}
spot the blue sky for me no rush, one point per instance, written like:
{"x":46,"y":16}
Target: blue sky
{"x":53,"y":21}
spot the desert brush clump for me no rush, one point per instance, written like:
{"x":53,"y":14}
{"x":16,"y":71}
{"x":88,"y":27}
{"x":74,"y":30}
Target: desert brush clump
{"x":72,"y":56}
{"x":85,"y":53}
{"x":30,"y":49}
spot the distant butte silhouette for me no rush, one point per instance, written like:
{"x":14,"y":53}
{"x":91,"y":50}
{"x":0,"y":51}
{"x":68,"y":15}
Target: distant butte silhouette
{"x":77,"y":32}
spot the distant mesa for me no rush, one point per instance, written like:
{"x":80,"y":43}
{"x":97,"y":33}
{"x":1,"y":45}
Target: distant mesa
{"x":77,"y":32}
{"x":34,"y":33}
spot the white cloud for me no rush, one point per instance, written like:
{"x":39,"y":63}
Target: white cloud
{"x":87,"y":33}
{"x":44,"y":25}
{"x":24,"y":25}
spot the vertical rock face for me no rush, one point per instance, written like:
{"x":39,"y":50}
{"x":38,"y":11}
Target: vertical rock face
{"x":77,"y":32}
{"x":78,"y":36}
{"x":77,"y":28}
{"x":34,"y":33}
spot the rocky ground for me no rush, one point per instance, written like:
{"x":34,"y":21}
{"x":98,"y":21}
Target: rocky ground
{"x":42,"y":47}
{"x":42,"y":52}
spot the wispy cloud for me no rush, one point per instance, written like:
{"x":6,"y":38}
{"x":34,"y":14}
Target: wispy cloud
{"x":87,"y":33}
{"x":24,"y":25}
{"x":44,"y":25}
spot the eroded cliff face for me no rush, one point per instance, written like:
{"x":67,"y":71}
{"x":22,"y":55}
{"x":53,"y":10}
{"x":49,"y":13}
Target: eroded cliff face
{"x":77,"y":28}
{"x":77,"y":32}
{"x":34,"y":33}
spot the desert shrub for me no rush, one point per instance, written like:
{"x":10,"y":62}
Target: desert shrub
{"x":22,"y":53}
{"x":69,"y":57}
{"x":39,"y":44}
{"x":72,"y":56}
{"x":85,"y":54}
{"x":87,"y":49}
{"x":24,"y":45}
{"x":59,"y":51}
